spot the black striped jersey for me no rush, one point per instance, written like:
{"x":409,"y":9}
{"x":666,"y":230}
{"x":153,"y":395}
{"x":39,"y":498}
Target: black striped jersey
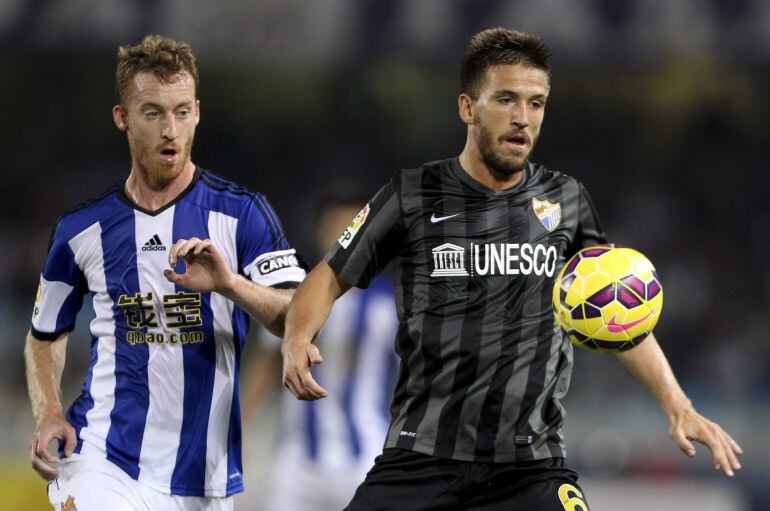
{"x":483,"y":365}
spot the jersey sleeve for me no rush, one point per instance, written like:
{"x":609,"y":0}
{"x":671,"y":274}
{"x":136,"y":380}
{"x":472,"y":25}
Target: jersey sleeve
{"x":590,"y":231}
{"x":371,"y":240}
{"x":264,"y":255}
{"x":60,"y":292}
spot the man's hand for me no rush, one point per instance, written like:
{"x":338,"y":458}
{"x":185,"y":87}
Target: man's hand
{"x":207,"y":270}
{"x":689,"y":425}
{"x":42,"y":460}
{"x":649,"y":365}
{"x":296,"y":370}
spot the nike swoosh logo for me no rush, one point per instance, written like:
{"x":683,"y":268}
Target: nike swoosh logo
{"x":615,"y":328}
{"x":436,"y":219}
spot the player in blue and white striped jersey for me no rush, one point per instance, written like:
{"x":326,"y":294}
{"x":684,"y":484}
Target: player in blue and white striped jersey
{"x":174,"y":258}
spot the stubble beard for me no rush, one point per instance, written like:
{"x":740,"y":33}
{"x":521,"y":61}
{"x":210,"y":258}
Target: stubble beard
{"x":157,"y":172}
{"x":492,"y":159}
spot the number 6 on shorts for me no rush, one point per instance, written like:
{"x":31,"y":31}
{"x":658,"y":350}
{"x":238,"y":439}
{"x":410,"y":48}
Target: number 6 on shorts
{"x":571,"y":498}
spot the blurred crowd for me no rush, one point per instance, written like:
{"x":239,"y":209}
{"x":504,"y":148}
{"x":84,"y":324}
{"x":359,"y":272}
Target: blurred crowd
{"x":659,"y":107}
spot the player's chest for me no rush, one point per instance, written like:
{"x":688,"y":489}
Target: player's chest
{"x":490,"y":236}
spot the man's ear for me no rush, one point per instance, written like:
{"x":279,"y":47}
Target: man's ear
{"x":465,"y":104}
{"x":120,"y":117}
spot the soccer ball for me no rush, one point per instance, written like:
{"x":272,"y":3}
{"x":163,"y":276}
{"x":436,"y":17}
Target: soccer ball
{"x":607,"y":298}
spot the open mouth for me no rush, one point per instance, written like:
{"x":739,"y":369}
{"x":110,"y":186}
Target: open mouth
{"x":517,"y":140}
{"x":168,"y":153}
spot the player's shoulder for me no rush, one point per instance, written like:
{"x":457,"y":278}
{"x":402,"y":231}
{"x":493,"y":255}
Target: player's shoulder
{"x":544,"y":176}
{"x":222,"y":195}
{"x":409,"y":178}
{"x":76,"y":219}
{"x":543,"y":173}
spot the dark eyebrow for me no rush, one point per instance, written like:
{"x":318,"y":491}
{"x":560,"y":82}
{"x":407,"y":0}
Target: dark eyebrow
{"x":507,"y":92}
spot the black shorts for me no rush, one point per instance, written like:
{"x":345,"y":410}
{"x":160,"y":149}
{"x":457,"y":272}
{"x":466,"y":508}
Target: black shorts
{"x":409,"y":481}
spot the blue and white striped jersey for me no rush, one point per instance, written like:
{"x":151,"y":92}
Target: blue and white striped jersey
{"x":347,"y":429}
{"x":161,"y":396}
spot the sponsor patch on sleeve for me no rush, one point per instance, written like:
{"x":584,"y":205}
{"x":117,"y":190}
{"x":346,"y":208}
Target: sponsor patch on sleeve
{"x":353,"y":228}
{"x":277,"y":262}
{"x":38,"y":298}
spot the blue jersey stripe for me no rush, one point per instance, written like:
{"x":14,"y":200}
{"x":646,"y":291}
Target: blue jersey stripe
{"x":273,"y":234}
{"x":311,"y":428}
{"x":220,"y":184}
{"x":76,"y":414}
{"x":281,"y":243}
{"x":199,"y":361}
{"x":132,"y":394}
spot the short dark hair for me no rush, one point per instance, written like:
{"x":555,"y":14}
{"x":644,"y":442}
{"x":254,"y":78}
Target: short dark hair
{"x":500,"y":46}
{"x":164,"y":57}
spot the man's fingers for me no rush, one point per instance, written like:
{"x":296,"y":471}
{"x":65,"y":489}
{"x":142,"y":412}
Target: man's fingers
{"x":728,"y":449}
{"x":173,"y":254}
{"x":38,"y":454}
{"x":309,"y":384}
{"x":733,"y":444}
{"x":70,"y":441}
{"x":185,"y":247}
{"x":200,"y":247}
{"x":297,"y":388}
{"x":176,"y":278}
{"x":713,"y":440}
{"x":42,"y":448}
{"x":313,"y":354}
{"x":681,"y":440}
{"x":289,"y":384}
{"x":43,"y":469}
{"x":32,"y":449}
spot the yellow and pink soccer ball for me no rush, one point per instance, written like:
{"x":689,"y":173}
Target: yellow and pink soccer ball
{"x":607,"y":298}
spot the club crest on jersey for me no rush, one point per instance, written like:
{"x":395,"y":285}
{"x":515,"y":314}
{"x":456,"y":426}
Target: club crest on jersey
{"x":353,"y":228}
{"x":69,"y":504}
{"x":547,"y":212}
{"x":448,"y":261}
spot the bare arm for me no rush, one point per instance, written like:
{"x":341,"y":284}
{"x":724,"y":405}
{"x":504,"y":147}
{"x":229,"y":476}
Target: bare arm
{"x":45,"y":363}
{"x":649,"y":365}
{"x":309,"y":309}
{"x":265,"y":304}
{"x":207,"y":270}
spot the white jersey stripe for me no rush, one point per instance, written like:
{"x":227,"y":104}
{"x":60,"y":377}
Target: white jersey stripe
{"x":165,"y":371}
{"x":87,"y":247}
{"x":52,"y":296}
{"x":222,"y":229}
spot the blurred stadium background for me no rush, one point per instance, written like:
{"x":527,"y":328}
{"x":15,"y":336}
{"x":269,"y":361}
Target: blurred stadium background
{"x":660,"y":107}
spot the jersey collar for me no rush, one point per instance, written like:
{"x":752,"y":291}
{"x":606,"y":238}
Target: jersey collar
{"x":126,"y":200}
{"x":457,"y":170}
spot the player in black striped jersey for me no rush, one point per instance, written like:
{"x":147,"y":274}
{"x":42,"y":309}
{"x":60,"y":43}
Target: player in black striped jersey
{"x":476,"y":242}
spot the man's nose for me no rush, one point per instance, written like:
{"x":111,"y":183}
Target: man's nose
{"x":520,"y":117}
{"x":169,"y":129}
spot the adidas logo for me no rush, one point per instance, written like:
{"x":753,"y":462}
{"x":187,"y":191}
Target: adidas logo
{"x":154,"y":244}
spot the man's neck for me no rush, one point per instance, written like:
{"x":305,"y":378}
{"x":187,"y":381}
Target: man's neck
{"x":150,"y":195}
{"x":473,"y":164}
